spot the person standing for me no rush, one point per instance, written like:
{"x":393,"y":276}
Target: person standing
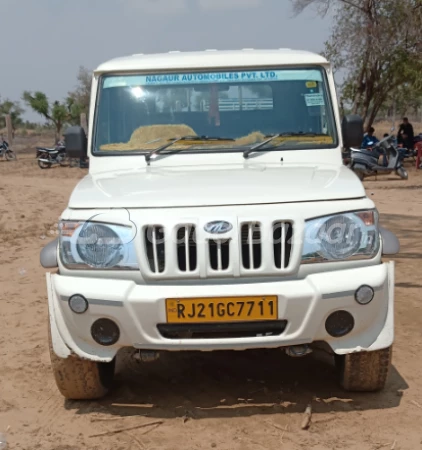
{"x":406,"y":134}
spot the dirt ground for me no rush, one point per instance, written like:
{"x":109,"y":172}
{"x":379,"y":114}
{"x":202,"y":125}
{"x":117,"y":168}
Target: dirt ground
{"x":240,"y":401}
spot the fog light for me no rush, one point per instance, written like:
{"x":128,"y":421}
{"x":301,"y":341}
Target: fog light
{"x":78,"y":304}
{"x":105,"y":332}
{"x":339,"y":323}
{"x":364,"y":295}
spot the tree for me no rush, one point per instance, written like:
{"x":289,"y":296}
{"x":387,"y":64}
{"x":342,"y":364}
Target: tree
{"x":77,"y":101}
{"x":57,"y":113}
{"x":12,"y":108}
{"x":377,"y":43}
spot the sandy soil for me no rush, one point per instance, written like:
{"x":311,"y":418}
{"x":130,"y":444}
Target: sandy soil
{"x":241,"y":401}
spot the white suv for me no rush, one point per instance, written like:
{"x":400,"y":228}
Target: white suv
{"x":217,"y":215}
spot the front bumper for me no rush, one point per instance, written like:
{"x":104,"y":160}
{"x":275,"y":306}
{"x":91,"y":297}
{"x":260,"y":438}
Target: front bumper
{"x":305,"y":304}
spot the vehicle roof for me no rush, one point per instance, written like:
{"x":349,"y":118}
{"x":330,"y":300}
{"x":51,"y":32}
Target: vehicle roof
{"x":211,"y":59}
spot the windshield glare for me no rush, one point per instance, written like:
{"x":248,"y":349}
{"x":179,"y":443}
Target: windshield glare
{"x":138,"y":113}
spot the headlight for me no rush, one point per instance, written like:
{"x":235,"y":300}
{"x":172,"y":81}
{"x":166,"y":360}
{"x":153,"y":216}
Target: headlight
{"x":97,"y":245}
{"x":341,"y":237}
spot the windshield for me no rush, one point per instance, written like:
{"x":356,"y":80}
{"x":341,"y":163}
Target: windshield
{"x":139,"y":113}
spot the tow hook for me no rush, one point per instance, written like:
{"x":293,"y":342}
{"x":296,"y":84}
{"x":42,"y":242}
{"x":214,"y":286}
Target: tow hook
{"x":146,"y":356}
{"x":297,"y":351}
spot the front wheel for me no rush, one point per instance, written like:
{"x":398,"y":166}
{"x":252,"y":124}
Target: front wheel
{"x":364,"y":371}
{"x":81,"y":379}
{"x":10,"y":155}
{"x":402,"y":173}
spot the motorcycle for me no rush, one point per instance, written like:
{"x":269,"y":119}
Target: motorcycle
{"x":50,"y":156}
{"x":6,"y":152}
{"x":365,"y":163}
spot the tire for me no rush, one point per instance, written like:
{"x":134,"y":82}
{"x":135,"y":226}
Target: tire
{"x":402,"y":173}
{"x":10,"y":155}
{"x":364,"y":371}
{"x":64,"y":161}
{"x":42,"y":164}
{"x":81,"y":379}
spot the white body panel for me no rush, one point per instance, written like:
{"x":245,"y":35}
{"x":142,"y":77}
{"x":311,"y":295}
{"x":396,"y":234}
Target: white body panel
{"x":194,"y":189}
{"x":215,"y":184}
{"x":305,"y":304}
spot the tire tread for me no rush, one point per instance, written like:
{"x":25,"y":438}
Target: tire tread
{"x":365,"y":371}
{"x":80,"y":379}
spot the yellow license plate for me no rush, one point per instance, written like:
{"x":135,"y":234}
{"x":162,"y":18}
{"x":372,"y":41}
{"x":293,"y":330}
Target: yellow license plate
{"x":221,"y":309}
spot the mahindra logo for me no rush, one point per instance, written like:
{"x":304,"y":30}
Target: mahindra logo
{"x":218,"y":227}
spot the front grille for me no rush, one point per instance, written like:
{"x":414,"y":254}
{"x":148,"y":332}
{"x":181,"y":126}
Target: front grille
{"x":219,"y":251}
{"x":222,"y":330}
{"x":154,"y":239}
{"x":251,"y":246}
{"x":180,"y":250}
{"x":187,"y":255}
{"x":282,"y":244}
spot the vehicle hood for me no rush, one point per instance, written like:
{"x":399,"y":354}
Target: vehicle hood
{"x":163,"y":187}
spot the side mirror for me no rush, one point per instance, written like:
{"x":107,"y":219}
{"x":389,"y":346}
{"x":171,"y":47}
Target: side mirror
{"x":76,"y":142}
{"x":352,"y":130}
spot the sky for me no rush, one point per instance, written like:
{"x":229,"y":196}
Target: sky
{"x":44,"y":42}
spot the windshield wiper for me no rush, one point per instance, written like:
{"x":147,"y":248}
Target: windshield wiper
{"x":271,"y":137}
{"x":173,"y":141}
{"x":255,"y":147}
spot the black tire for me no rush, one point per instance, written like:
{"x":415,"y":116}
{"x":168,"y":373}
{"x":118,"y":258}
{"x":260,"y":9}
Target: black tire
{"x":64,"y":161}
{"x":402,"y":173}
{"x":10,"y":155}
{"x":81,"y":379}
{"x":42,"y":164}
{"x":364,"y":371}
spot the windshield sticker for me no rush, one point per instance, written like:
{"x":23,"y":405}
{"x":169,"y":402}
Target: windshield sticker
{"x":314,"y":100}
{"x":213,"y":77}
{"x":311,"y":84}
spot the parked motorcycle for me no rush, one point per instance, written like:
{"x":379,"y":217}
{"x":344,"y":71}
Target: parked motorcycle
{"x":6,"y":152}
{"x":365,"y":162}
{"x":50,"y":156}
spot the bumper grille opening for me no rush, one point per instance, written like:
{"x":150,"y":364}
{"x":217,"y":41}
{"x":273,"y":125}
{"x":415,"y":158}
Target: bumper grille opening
{"x":251,"y":245}
{"x":222,"y":330}
{"x":186,"y":248}
{"x":155,"y":248}
{"x":219,"y":251}
{"x":282,"y":244}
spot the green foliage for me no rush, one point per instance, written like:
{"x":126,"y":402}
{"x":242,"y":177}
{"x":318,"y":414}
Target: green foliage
{"x":55,"y":113}
{"x":68,"y":111}
{"x":13,"y":109}
{"x":77,"y":101}
{"x":378,"y":45}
